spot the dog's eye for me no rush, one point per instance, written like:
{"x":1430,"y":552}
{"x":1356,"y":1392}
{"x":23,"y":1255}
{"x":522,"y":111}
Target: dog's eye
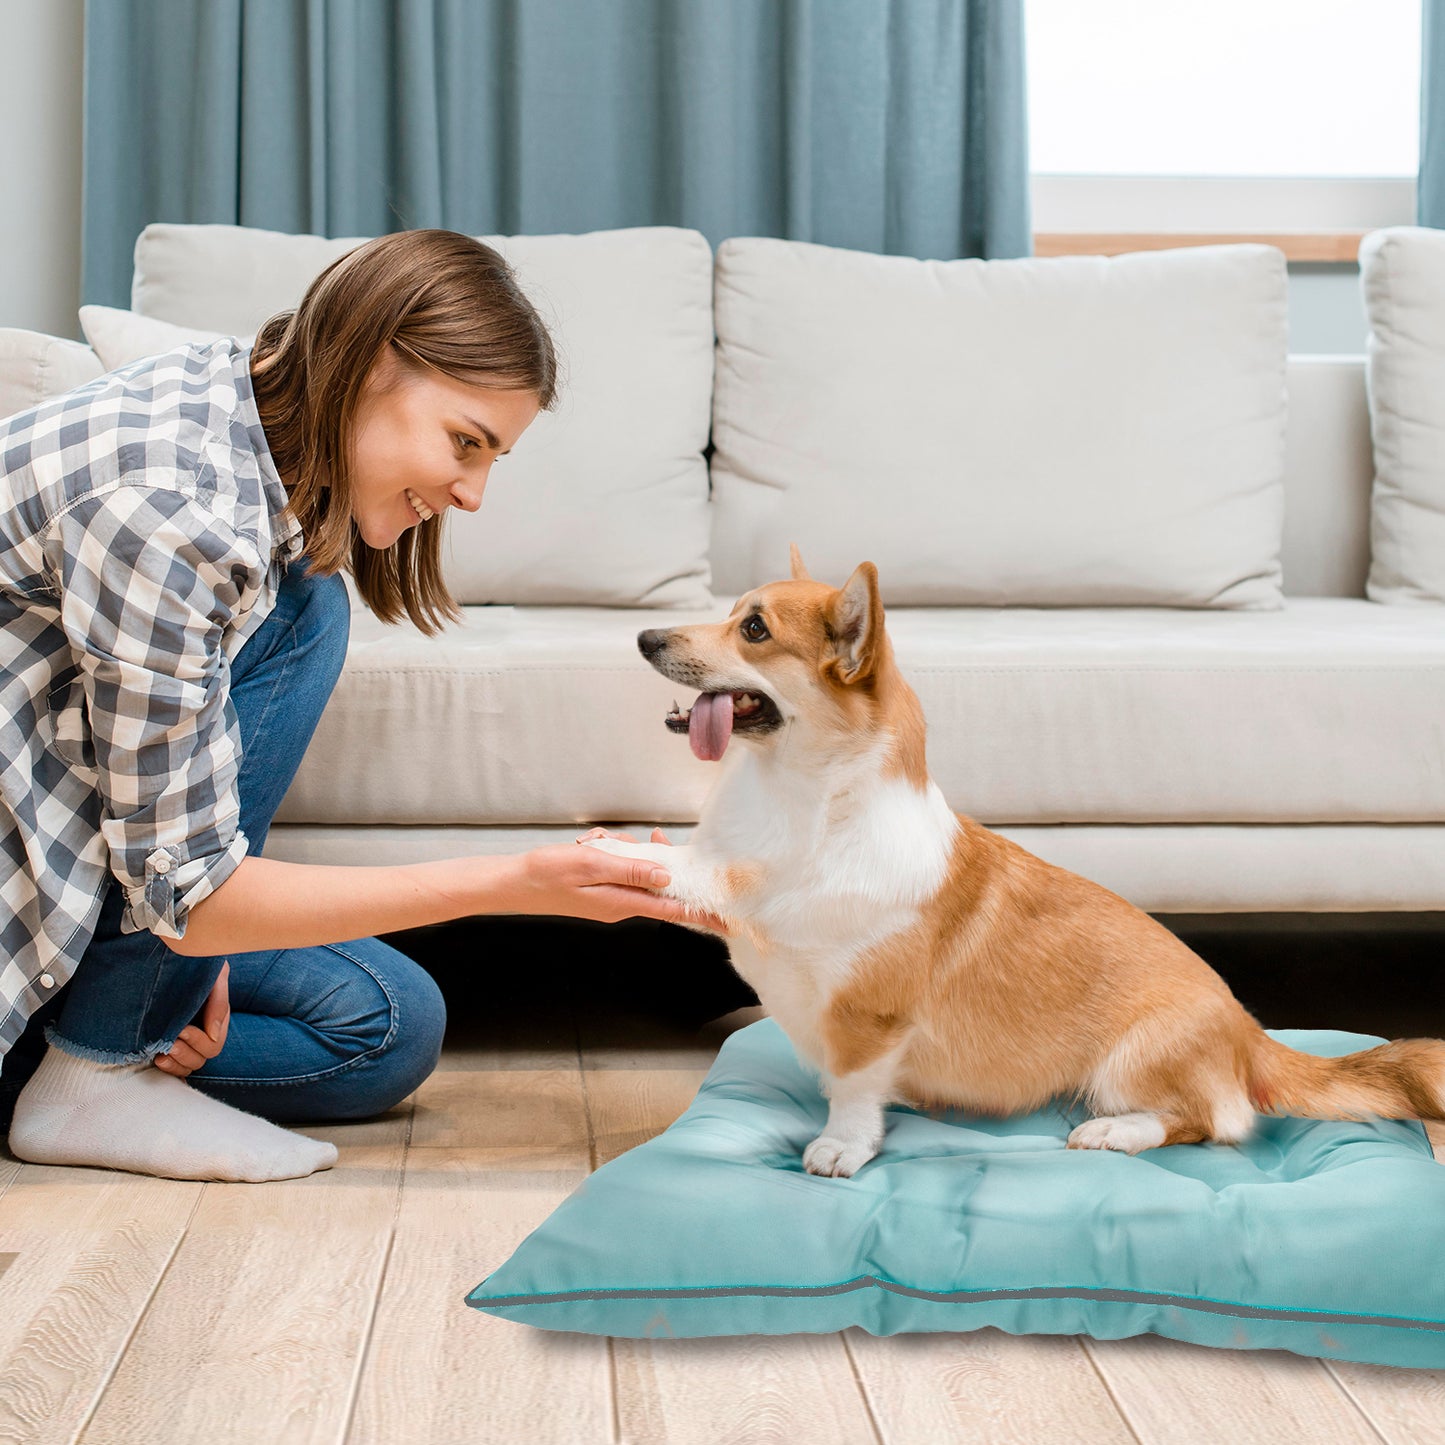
{"x":754,"y":629}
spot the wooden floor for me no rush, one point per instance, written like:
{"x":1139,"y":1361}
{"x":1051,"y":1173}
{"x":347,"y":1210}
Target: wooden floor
{"x":330,"y":1309}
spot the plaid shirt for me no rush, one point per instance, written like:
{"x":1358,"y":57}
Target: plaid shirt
{"x":143,"y":534}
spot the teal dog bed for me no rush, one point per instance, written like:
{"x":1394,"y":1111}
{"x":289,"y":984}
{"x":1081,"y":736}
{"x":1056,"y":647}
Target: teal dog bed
{"x":1324,"y":1238}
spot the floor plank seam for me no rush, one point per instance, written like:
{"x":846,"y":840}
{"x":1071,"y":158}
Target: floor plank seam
{"x":1083,"y":1343}
{"x":586,"y":1099}
{"x":1343,"y":1385}
{"x":130,"y":1334}
{"x":364,"y":1352}
{"x":874,"y":1423}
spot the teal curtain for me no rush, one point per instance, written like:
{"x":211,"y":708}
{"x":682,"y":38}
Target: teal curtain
{"x":880,"y":125}
{"x":1430,"y":192}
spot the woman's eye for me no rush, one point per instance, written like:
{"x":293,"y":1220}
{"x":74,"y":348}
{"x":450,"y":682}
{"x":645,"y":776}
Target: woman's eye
{"x":754,"y":629}
{"x":467,"y":443}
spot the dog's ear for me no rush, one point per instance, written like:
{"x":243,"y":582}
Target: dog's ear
{"x":800,"y":572}
{"x":856,"y":620}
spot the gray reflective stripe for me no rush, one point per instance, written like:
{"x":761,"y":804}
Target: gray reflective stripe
{"x":965,"y":1296}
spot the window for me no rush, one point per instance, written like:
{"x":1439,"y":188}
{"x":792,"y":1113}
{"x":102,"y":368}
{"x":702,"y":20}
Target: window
{"x":1290,"y":88}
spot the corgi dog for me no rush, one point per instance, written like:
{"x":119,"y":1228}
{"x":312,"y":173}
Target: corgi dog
{"x":913,"y":956}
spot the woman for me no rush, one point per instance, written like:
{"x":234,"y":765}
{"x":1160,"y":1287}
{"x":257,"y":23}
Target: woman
{"x":166,"y":650}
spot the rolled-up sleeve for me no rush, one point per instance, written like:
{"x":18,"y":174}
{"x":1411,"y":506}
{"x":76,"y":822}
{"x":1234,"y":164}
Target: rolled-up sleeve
{"x":150,"y":578}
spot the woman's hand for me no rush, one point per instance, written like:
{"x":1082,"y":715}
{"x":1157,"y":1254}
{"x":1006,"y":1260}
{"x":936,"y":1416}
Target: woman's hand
{"x":574,"y":882}
{"x":194,"y":1046}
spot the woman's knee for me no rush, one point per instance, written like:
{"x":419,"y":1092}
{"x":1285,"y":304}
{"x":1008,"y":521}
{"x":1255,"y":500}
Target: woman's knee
{"x":396,"y":1022}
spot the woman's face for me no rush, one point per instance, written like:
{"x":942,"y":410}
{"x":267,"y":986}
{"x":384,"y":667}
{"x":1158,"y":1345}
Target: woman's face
{"x":423,"y":442}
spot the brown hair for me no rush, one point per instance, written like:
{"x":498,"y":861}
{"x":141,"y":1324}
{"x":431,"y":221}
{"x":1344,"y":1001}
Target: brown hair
{"x":440,"y":299}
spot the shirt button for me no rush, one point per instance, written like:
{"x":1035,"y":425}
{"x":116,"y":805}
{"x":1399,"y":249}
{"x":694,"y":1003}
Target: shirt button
{"x":162,"y":863}
{"x":47,"y":980}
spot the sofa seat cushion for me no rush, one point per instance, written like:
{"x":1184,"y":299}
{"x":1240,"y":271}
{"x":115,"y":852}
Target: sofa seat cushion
{"x":1326,"y":711}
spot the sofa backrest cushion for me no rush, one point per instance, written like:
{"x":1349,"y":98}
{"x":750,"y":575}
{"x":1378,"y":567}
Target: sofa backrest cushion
{"x":1069,"y":431}
{"x":1402,"y":271}
{"x":605,"y":499}
{"x":120,"y":337}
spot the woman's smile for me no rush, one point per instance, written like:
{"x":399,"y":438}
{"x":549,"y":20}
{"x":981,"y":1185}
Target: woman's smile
{"x":423,"y":512}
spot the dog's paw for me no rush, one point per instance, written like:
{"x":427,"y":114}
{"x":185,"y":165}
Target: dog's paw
{"x":1127,"y":1133}
{"x":836,"y":1158}
{"x":664,"y":857}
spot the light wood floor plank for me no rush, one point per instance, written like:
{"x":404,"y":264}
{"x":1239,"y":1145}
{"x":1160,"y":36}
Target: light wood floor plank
{"x":986,"y":1386}
{"x":1406,"y":1407}
{"x":741,"y":1390}
{"x":255,"y":1331}
{"x":89,"y":1247}
{"x":750,"y":1390}
{"x":437,"y":1370}
{"x":499,"y":1140}
{"x":1173,"y":1393}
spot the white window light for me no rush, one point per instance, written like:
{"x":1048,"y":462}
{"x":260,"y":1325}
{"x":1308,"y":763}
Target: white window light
{"x":1237,"y":88}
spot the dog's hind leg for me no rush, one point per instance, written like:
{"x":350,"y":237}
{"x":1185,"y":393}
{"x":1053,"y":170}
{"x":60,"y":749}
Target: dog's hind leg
{"x":1224,"y":1118}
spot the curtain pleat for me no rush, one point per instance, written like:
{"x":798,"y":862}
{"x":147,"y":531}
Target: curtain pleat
{"x":1430,"y":192}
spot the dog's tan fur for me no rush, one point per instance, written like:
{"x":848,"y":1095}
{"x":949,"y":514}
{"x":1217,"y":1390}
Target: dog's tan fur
{"x":1016,"y":981}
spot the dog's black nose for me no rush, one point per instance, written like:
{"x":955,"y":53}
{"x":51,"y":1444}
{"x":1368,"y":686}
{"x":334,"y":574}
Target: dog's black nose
{"x":652,"y":641}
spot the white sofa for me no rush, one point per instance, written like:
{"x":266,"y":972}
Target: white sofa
{"x":1231,"y":747}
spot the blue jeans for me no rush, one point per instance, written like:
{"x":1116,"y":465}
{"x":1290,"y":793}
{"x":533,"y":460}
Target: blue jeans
{"x":338,"y":1031}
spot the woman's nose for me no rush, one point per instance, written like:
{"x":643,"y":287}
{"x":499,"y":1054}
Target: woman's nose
{"x":468,"y":495}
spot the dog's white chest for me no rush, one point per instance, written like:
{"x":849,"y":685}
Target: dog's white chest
{"x":837,"y":875}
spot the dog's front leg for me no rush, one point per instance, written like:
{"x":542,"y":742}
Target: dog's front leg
{"x":855,"y":1128}
{"x":863,"y":1045}
{"x":705,"y":887}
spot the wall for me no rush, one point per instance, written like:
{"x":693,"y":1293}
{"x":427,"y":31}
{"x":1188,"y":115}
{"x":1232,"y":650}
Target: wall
{"x":40,"y":119}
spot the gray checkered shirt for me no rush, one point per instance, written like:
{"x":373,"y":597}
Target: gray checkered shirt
{"x":143,"y":534}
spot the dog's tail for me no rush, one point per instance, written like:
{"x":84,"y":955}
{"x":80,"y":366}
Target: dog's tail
{"x":1403,"y":1079}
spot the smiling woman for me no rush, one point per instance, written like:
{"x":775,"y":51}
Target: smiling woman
{"x":165,"y":676}
{"x":411,"y":364}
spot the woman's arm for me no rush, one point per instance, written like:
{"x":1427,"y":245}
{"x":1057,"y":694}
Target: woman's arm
{"x":269,"y":904}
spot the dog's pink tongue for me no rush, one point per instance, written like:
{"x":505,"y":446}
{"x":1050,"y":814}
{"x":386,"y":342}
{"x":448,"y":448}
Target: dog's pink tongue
{"x":710,"y":725}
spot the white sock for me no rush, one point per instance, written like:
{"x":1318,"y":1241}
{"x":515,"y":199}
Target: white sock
{"x":137,"y":1117}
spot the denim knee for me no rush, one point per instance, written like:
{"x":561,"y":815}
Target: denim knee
{"x":324,"y":620}
{"x":410,"y":1042}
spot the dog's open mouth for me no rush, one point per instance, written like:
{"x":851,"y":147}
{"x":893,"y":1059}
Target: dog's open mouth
{"x":715,"y":716}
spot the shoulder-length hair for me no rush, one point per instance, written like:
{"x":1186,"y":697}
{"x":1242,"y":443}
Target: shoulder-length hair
{"x":440,"y":299}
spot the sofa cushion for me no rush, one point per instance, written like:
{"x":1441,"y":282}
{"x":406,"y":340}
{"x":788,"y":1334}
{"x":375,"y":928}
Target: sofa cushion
{"x":122,"y":336}
{"x":34,"y":367}
{"x":1327,"y":711}
{"x":1402,"y":271}
{"x":604,"y":501}
{"x":1080,"y":431}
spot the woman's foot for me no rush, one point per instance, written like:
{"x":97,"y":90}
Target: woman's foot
{"x":133,"y":1116}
